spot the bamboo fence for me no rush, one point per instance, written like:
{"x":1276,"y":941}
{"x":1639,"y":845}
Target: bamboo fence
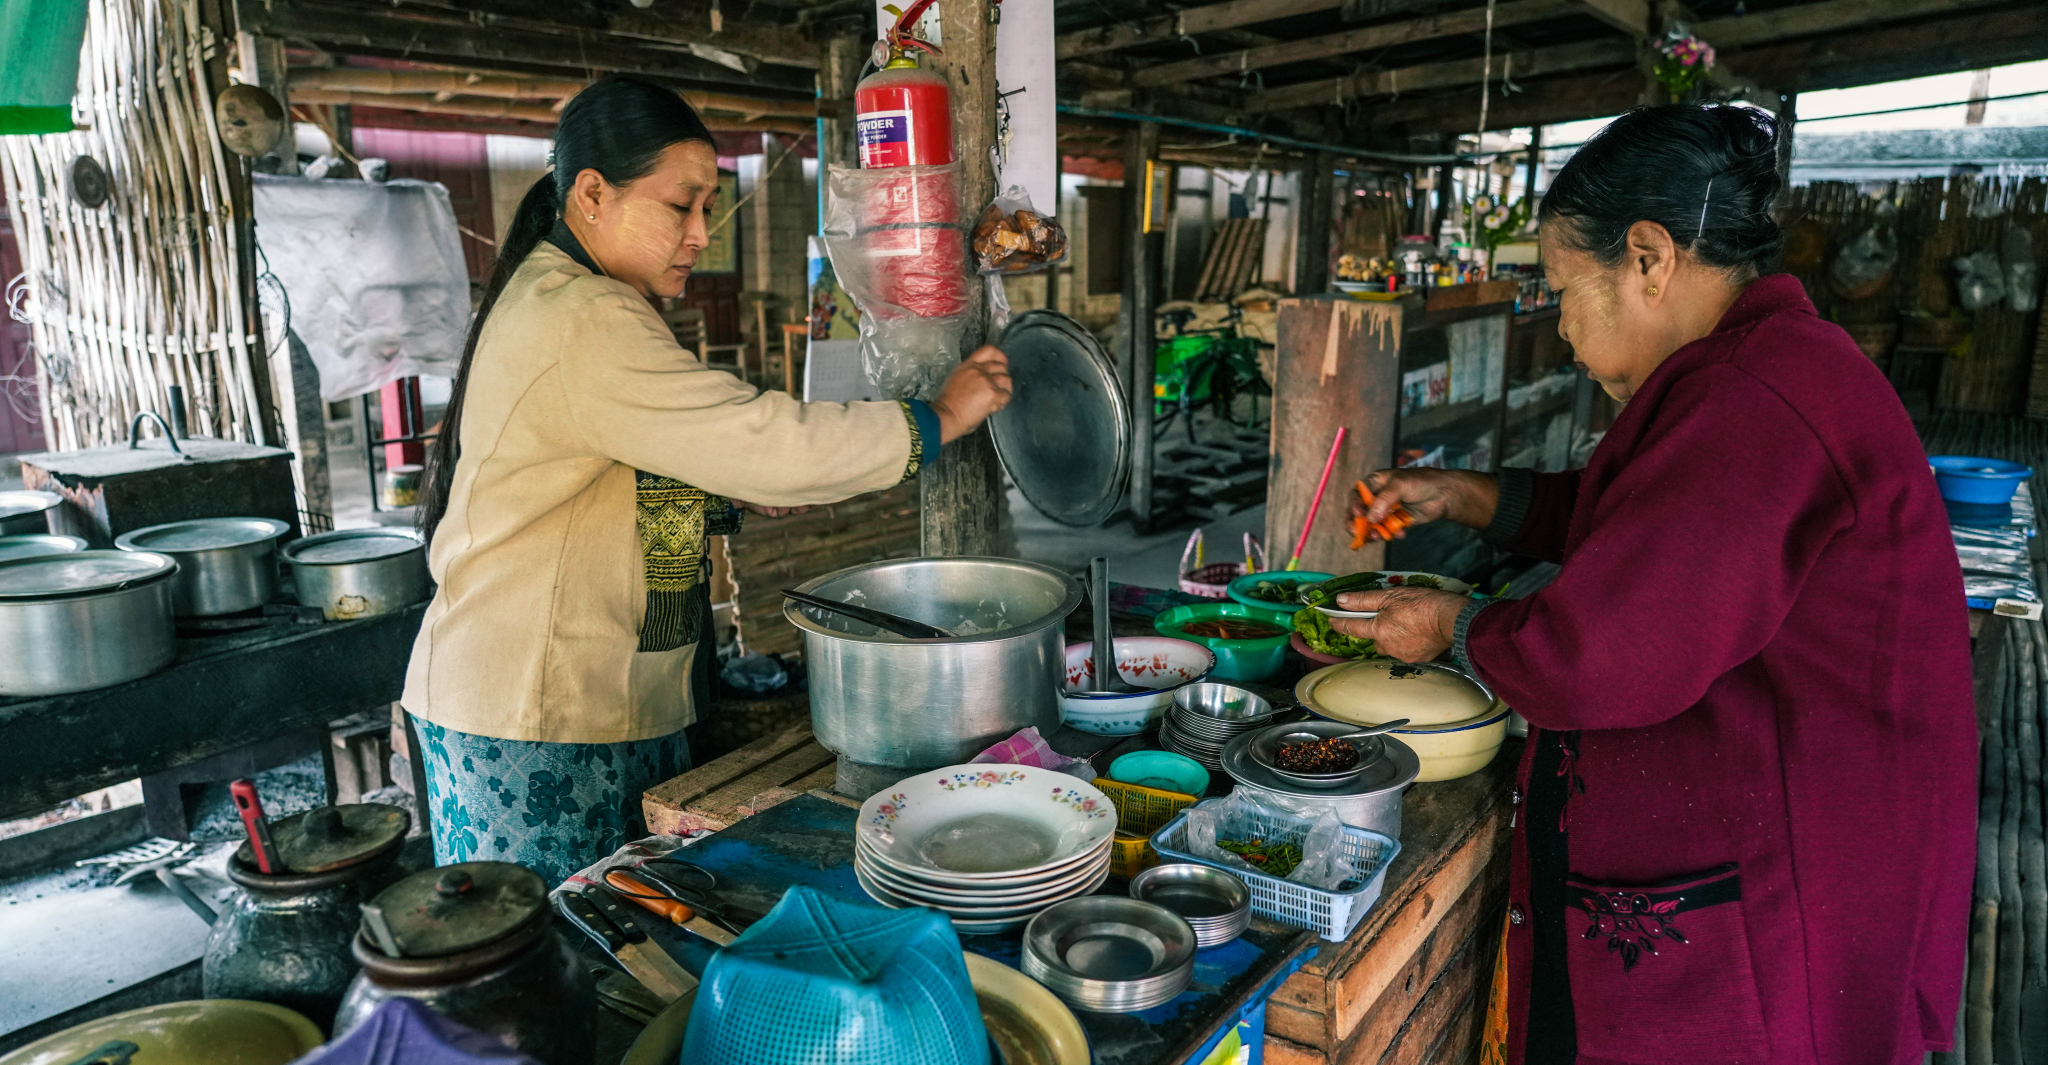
{"x":148,"y":289}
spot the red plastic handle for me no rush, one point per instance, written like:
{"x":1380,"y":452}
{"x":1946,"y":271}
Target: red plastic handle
{"x":251,"y":808}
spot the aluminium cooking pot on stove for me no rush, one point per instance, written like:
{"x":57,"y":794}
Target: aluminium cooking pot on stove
{"x":26,"y":511}
{"x":475,"y":942}
{"x":885,"y":700}
{"x":81,"y":620}
{"x":225,"y":565}
{"x":359,"y":573}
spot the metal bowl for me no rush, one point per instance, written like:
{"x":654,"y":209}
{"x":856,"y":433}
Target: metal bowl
{"x":1265,"y":750}
{"x":1223,"y":703}
{"x":1103,"y":952}
{"x":1214,"y":902}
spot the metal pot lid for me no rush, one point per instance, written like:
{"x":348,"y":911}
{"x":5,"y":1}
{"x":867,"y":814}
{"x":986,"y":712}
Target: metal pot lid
{"x":1397,"y":768}
{"x":14,"y":504}
{"x":1369,"y":691}
{"x":454,"y":908}
{"x":1065,"y":438}
{"x":29,"y":545}
{"x":81,"y":572}
{"x":326,"y":838}
{"x":351,"y":545}
{"x":202,"y":534}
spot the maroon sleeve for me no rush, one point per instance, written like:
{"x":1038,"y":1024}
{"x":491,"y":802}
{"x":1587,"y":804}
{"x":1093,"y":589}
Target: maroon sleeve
{"x":1696,"y":553}
{"x":1535,"y":510}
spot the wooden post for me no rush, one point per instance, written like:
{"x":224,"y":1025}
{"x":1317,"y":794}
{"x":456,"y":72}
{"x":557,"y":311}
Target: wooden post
{"x":1141,"y":146}
{"x":1788,"y":116}
{"x":960,"y":494}
{"x":1535,"y":161}
{"x":1312,"y":240}
{"x":836,"y":79}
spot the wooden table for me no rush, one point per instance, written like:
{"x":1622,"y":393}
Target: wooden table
{"x":1408,"y":985}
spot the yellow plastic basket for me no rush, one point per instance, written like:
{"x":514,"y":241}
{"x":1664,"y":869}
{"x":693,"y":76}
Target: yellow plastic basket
{"x":1140,"y":811}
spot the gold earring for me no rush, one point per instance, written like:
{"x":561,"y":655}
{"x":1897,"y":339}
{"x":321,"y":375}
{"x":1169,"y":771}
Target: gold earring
{"x":1653,"y":290}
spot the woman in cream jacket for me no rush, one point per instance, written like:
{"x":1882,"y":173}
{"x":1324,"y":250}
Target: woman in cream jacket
{"x":584,"y":458}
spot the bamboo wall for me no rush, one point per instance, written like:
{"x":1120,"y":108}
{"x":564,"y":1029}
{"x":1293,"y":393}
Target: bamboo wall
{"x":149,"y":289}
{"x":1981,"y":362}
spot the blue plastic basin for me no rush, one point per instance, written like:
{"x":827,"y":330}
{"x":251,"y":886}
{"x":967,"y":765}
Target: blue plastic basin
{"x":1964,"y":479}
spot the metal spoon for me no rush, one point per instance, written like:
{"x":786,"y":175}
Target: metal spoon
{"x":1110,"y":680}
{"x":1371,"y":730}
{"x":881,"y":619}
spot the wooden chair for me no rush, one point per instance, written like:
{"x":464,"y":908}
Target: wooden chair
{"x":796,"y":336}
{"x":687,"y":323}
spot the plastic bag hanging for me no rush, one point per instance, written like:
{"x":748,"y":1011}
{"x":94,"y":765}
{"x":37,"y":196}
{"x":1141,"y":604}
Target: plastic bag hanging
{"x":898,"y":249}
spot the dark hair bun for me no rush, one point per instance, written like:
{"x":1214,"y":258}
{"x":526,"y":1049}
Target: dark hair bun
{"x":1706,"y":174}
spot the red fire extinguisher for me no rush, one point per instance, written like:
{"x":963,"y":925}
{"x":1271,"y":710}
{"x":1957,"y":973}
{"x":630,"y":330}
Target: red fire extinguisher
{"x":904,"y":118}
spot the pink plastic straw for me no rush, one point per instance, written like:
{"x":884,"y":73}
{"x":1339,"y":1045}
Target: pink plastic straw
{"x":1294,"y":561}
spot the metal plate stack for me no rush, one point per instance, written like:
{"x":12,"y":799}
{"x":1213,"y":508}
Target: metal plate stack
{"x":1111,"y":954}
{"x":1216,"y":903}
{"x":987,"y":845}
{"x":1205,"y":717}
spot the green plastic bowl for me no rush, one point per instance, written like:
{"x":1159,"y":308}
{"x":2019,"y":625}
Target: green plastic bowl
{"x":1252,"y":660}
{"x":1241,"y":588}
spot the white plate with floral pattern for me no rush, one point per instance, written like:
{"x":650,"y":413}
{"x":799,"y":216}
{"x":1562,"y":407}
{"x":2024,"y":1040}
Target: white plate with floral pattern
{"x":994,"y":822}
{"x":877,"y":887}
{"x":979,"y":892}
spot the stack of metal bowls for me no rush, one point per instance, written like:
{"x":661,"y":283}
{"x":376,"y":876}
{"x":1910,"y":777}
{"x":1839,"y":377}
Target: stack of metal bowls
{"x":1206,"y":717}
{"x":1214,"y":902}
{"x":1110,"y":954}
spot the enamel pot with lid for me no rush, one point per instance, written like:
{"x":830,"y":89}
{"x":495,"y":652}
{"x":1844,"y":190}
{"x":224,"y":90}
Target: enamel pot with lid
{"x":80,"y":620}
{"x":359,"y":573}
{"x":288,"y":937}
{"x":225,"y":565}
{"x":474,"y":942}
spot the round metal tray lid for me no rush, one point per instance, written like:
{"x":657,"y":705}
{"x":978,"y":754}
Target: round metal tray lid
{"x":81,"y":573}
{"x":29,"y":545}
{"x":351,"y":545}
{"x":202,"y":534}
{"x":1065,"y":438}
{"x":455,"y":908}
{"x":27,"y":502}
{"x":1372,"y":690}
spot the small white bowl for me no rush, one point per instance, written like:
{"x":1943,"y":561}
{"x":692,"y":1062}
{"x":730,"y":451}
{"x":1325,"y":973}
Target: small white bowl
{"x":1159,"y":664}
{"x":1458,"y":748}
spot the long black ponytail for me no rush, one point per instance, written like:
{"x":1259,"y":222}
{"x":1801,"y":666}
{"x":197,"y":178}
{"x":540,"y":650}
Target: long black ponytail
{"x":619,"y":127}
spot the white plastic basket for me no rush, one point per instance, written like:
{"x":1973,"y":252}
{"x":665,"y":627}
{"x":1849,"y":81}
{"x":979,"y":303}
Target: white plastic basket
{"x":1332,"y":913}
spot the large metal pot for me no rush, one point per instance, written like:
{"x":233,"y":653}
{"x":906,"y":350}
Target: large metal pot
{"x":883,"y":700}
{"x":225,"y":565}
{"x":359,"y":573}
{"x":29,"y":545}
{"x":26,"y":512}
{"x":83,"y":620}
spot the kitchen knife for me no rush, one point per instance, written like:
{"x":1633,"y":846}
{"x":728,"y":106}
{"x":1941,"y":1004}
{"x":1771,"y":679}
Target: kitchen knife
{"x":658,"y":960}
{"x":668,"y":983}
{"x":677,"y":912}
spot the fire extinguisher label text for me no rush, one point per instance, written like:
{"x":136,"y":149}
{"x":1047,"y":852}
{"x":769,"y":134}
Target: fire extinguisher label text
{"x":884,"y":138}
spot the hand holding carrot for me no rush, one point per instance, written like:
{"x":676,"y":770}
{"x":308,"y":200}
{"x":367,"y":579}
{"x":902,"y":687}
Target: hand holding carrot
{"x":1421,"y":495}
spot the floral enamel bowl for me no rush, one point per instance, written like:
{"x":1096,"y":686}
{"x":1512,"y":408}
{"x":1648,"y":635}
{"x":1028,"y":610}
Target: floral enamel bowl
{"x":1158,"y":664}
{"x":986,"y":822}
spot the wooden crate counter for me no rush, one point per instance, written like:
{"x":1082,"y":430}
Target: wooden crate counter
{"x":1408,"y":986}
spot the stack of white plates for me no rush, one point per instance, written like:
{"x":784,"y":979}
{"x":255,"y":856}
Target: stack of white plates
{"x":987,"y":845}
{"x":1206,"y":717}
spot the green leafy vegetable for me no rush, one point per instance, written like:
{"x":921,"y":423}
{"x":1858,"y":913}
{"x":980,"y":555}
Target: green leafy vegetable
{"x":1275,"y":591}
{"x":1273,"y":859}
{"x":1314,"y":626}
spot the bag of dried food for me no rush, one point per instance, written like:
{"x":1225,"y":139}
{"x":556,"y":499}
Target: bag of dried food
{"x":1013,"y":237}
{"x":1243,"y":832}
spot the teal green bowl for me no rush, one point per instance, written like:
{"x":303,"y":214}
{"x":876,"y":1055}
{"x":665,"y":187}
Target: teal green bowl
{"x":1252,"y":660}
{"x":1241,"y":588}
{"x":1164,"y":770}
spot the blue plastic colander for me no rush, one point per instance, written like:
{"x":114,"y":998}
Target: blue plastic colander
{"x":824,"y":982}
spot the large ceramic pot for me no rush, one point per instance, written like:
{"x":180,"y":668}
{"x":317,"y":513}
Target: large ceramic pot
{"x":474,"y":942}
{"x":287,"y":937}
{"x":885,"y":700}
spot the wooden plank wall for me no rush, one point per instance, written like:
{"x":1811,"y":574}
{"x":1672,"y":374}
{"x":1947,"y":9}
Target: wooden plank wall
{"x":770,"y":554}
{"x":1986,"y":360}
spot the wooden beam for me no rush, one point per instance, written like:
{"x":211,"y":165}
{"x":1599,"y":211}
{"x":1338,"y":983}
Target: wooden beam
{"x":1529,"y":63}
{"x":1906,"y":51}
{"x":417,"y":82}
{"x":406,"y":35}
{"x":1209,"y":19}
{"x":1747,"y":30}
{"x":487,"y":107}
{"x":1358,"y":40}
{"x":1629,"y":16}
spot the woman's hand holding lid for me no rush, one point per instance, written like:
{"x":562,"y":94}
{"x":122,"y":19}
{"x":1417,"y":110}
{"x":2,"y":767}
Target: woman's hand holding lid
{"x":977,"y":388}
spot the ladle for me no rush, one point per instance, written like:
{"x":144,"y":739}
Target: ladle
{"x":1108,"y":680}
{"x":881,"y":619}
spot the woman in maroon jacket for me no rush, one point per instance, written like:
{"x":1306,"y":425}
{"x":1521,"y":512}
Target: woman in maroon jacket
{"x":1745,"y":821}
